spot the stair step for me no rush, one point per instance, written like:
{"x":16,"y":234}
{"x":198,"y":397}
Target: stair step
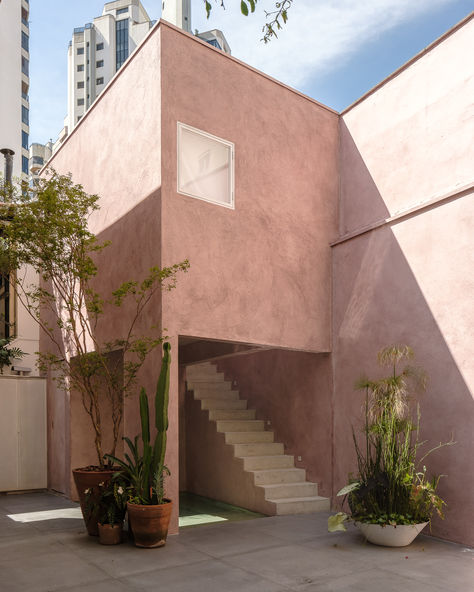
{"x":223,"y":403}
{"x":240,"y":425}
{"x":276,"y":461}
{"x":258,"y":449}
{"x":301,"y":505}
{"x":290,"y":490}
{"x":208,"y":385}
{"x":215,"y":414}
{"x":207,"y":394}
{"x":274,"y":476}
{"x":248,"y":437}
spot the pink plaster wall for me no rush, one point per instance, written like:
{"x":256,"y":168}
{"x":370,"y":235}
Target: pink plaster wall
{"x":411,"y":281}
{"x":259,"y":273}
{"x":293,"y":391}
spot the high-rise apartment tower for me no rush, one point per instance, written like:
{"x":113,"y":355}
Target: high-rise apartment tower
{"x":15,"y":83}
{"x":97,"y":50}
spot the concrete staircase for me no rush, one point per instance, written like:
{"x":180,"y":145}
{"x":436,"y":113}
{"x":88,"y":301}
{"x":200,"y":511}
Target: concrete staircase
{"x":266,"y":476}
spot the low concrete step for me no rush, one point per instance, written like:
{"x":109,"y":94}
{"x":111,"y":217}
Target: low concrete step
{"x":248,"y":437}
{"x":208,"y":385}
{"x":290,"y":490}
{"x":300,"y":505}
{"x":216,"y":414}
{"x":274,"y":476}
{"x":276,"y":461}
{"x":258,"y":449}
{"x":223,"y":403}
{"x":240,"y":425}
{"x":210,"y":394}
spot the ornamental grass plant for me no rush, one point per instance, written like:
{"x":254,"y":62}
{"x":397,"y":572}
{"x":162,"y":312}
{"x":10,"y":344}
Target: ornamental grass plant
{"x":392,"y":485}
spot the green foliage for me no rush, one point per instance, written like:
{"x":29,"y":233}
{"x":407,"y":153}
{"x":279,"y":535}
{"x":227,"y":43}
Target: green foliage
{"x":389,"y":489}
{"x":7,"y":353}
{"x":107,"y":502}
{"x":47,"y":230}
{"x":274,"y":17}
{"x":144,"y":471}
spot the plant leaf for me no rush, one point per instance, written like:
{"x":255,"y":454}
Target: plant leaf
{"x":348,"y":488}
{"x":336,"y":522}
{"x":244,"y":8}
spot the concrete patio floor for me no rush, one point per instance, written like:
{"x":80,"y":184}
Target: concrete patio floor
{"x":272,"y":554}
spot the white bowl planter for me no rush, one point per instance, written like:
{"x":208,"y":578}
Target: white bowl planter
{"x":390,"y":536}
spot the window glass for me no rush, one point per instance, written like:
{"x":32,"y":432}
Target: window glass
{"x":24,"y":140}
{"x":25,"y":115}
{"x":121,"y":11}
{"x":99,"y":64}
{"x":25,"y":66}
{"x":80,"y":51}
{"x":24,"y":164}
{"x":121,"y":42}
{"x":205,"y":166}
{"x":99,"y":81}
{"x":80,"y":84}
{"x":25,"y":41}
{"x":80,"y":68}
{"x":80,"y":102}
{"x":99,"y":46}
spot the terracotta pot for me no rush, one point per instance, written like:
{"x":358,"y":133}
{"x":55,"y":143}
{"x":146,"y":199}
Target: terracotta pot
{"x":390,"y":536}
{"x":150,"y":523}
{"x":86,"y":479}
{"x":110,"y":534}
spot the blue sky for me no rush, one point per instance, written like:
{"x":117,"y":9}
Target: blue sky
{"x":332,"y":50}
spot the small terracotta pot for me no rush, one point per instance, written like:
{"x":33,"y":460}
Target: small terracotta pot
{"x":150,"y":523}
{"x":86,"y":479}
{"x":110,"y":534}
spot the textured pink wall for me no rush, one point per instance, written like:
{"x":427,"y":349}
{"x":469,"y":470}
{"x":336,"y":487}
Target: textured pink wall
{"x":411,"y":281}
{"x":292,"y":390}
{"x":259,"y":273}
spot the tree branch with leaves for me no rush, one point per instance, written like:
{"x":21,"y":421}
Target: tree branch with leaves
{"x":45,"y":228}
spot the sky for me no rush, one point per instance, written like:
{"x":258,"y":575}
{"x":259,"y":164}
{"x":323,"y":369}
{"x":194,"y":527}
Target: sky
{"x":332,"y":50}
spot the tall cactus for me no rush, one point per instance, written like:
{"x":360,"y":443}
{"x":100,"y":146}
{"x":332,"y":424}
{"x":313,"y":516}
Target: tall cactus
{"x":145,"y":472}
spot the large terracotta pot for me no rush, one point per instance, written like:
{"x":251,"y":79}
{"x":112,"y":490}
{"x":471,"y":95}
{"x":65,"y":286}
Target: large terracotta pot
{"x":390,"y":536}
{"x":149,"y":524}
{"x":89,"y":479}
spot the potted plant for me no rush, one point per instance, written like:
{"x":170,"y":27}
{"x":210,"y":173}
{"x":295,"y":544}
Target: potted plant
{"x":144,"y":470}
{"x":392,"y":498}
{"x":107,"y":505}
{"x":46,"y":229}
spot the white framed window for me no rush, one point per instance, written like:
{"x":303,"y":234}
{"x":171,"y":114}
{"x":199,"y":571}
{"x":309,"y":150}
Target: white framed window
{"x":205,"y":166}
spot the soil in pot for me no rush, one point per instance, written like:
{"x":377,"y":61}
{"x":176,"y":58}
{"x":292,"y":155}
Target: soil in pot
{"x":150,"y":523}
{"x":89,"y":478}
{"x":110,"y":534}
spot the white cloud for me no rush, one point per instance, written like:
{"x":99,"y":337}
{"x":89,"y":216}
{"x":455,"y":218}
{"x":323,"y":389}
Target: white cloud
{"x":319,"y":33}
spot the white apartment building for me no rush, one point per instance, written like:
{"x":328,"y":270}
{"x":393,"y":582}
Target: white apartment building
{"x":15,"y":82}
{"x":97,"y":50}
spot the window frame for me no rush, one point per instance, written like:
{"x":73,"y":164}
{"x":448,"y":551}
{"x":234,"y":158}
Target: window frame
{"x":180,"y":126}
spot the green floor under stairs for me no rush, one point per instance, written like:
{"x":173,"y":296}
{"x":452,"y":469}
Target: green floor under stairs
{"x":195,"y":510}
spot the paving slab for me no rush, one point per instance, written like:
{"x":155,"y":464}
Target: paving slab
{"x":41,"y":550}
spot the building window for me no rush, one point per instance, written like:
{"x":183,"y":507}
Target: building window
{"x":38,"y":160}
{"x":205,"y":166}
{"x":80,"y":51}
{"x":24,"y":140}
{"x":79,"y":118}
{"x":25,"y":115}
{"x":99,"y":64}
{"x":80,"y":84}
{"x":99,"y":81}
{"x":24,"y":164}
{"x":121,"y":11}
{"x":80,"y":68}
{"x":80,"y":102}
{"x":99,"y":46}
{"x":25,"y":41}
{"x":7,"y":310}
{"x":121,"y":42}
{"x":25,"y":66}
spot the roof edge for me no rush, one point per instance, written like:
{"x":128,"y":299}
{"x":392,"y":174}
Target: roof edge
{"x":411,"y":61}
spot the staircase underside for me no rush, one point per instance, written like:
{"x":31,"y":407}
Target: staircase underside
{"x":234,"y":459}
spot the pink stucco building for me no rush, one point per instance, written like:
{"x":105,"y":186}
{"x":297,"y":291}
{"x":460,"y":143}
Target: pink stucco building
{"x":337,"y":234}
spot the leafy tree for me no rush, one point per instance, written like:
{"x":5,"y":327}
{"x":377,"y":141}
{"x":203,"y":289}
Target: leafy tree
{"x":275,"y":17}
{"x":46,"y":229}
